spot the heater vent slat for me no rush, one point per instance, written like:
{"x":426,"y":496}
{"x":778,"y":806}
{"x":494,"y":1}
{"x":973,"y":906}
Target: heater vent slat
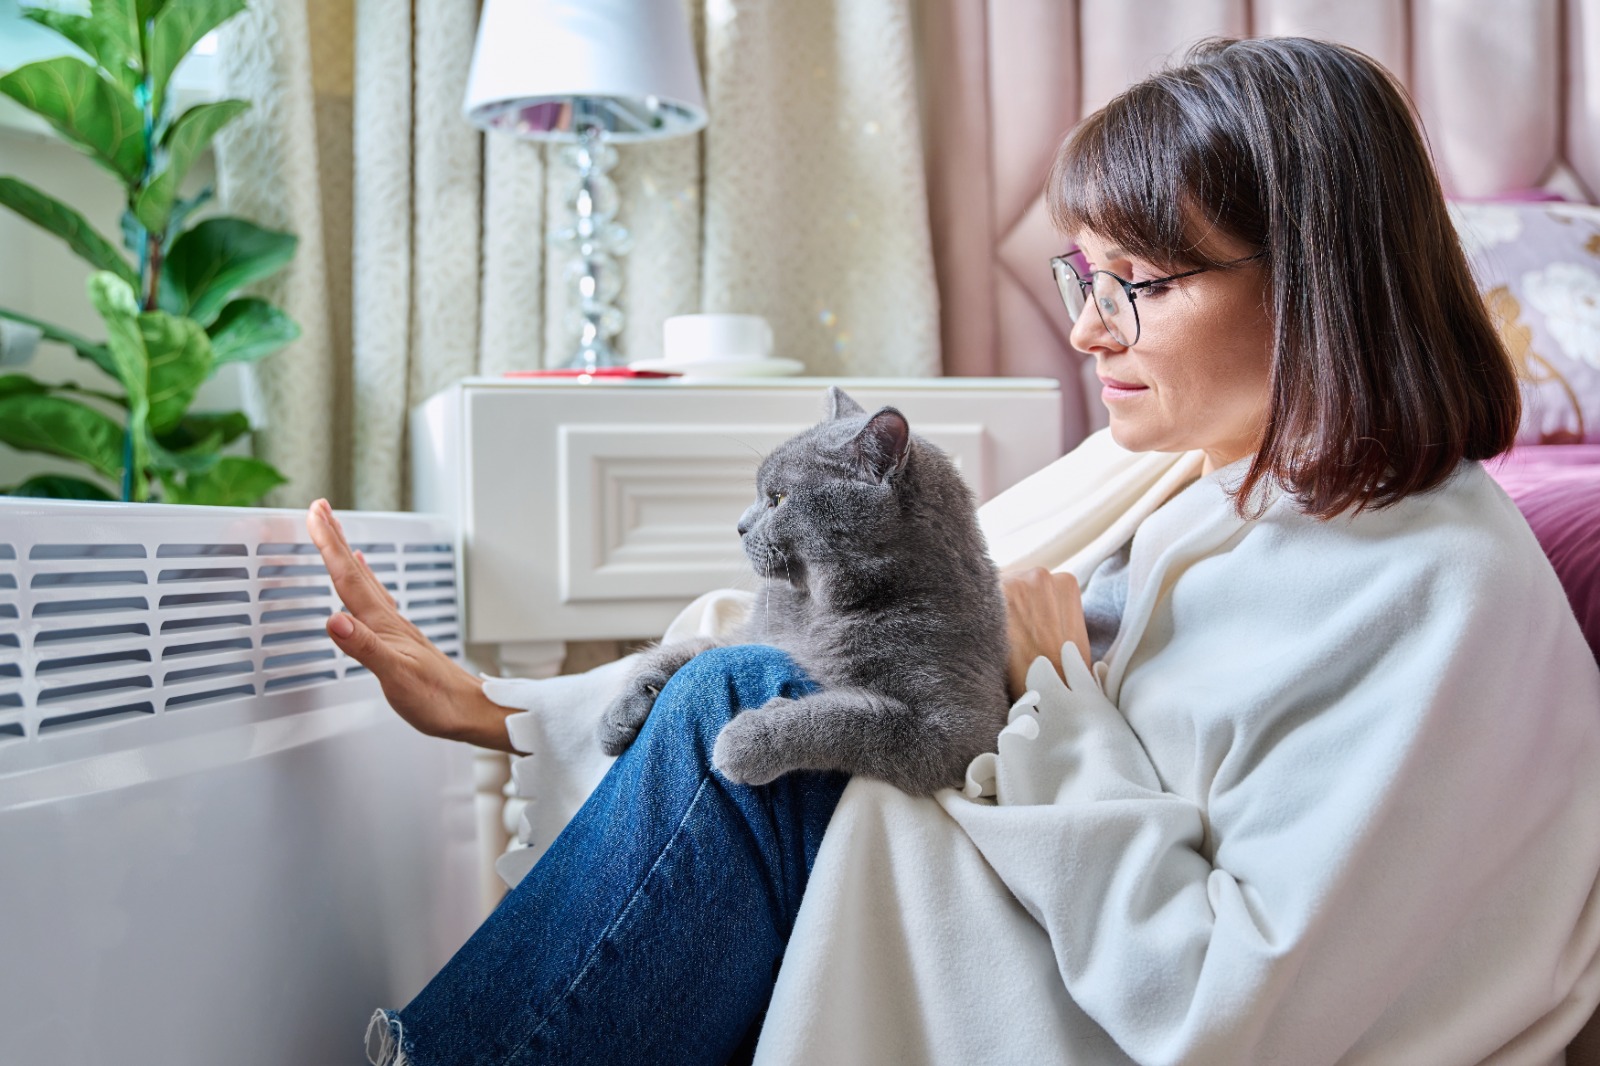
{"x":46,"y":552}
{"x":208,"y":621}
{"x":205,"y":647}
{"x":95,"y":633}
{"x":84,"y":578}
{"x":83,"y":662}
{"x":210,"y":695}
{"x":199,"y":551}
{"x":99,"y":716}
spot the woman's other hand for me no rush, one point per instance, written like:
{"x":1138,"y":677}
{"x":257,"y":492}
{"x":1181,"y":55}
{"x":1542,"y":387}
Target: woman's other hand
{"x":1043,"y":612}
{"x":428,"y":688}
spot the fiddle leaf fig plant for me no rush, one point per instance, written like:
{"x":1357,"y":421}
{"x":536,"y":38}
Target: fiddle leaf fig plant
{"x":172,"y":305}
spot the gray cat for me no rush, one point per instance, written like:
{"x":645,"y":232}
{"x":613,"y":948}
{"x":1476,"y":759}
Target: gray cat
{"x":876,"y":581}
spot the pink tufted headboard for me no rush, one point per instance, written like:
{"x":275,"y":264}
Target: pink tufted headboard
{"x":1509,"y":91}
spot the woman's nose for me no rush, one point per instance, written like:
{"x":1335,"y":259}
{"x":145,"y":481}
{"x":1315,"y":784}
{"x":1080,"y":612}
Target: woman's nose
{"x":1090,"y":336}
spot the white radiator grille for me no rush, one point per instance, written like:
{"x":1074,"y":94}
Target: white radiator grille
{"x":108,"y":618}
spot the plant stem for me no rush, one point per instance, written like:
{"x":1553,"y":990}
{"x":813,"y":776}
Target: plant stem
{"x":133,"y":478}
{"x":152,"y":262}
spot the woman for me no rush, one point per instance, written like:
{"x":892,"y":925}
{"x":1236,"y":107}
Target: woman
{"x":1331,"y":790}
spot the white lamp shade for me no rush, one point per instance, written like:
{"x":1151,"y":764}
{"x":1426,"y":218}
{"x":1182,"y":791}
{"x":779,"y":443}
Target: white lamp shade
{"x":543,"y":67}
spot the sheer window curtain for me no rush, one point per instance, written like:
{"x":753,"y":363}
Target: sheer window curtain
{"x":422,"y":254}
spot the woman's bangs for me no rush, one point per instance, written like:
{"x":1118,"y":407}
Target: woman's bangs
{"x":1128,"y":188}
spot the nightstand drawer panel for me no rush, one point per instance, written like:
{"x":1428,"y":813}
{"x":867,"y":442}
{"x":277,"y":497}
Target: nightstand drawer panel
{"x":650,"y":510}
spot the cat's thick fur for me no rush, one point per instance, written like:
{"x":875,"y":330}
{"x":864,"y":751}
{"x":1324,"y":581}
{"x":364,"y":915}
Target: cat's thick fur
{"x":876,"y":581}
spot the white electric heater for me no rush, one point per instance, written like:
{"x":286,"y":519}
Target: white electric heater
{"x":217,"y":842}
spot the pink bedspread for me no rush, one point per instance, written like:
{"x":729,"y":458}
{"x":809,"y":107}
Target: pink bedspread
{"x":1557,"y":488}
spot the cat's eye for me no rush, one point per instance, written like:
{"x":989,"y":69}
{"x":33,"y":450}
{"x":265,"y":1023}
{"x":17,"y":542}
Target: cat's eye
{"x":775,"y":498}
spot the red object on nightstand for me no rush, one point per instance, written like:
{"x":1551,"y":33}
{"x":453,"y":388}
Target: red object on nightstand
{"x":610,"y":372}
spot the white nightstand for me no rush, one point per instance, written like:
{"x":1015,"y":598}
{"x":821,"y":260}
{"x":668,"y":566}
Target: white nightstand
{"x":597,"y":510}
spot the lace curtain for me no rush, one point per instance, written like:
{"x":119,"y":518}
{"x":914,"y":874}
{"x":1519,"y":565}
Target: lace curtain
{"x":422,"y":257}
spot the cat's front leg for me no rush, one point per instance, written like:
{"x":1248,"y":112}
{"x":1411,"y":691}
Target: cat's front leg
{"x":621,"y":721}
{"x":853,"y":730}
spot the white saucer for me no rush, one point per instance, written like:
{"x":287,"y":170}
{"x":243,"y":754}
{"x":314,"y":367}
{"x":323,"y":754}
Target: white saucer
{"x":724,"y":368}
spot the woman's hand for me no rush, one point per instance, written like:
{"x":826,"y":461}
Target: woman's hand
{"x":1043,"y":612}
{"x":428,"y":688}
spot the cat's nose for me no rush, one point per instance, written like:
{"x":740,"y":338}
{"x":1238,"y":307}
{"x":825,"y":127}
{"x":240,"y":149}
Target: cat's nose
{"x":743,"y":527}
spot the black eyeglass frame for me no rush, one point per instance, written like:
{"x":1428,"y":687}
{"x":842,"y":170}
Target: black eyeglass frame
{"x":1085,"y":285}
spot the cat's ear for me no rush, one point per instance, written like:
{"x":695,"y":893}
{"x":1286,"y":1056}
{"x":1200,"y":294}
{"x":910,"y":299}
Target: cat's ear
{"x":840,"y":405}
{"x":883,"y":445}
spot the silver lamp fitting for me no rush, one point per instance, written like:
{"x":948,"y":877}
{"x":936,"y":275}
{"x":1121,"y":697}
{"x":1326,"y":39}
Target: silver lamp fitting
{"x":595,"y":241}
{"x":589,"y":74}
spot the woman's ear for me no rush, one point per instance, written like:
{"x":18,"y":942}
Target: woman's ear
{"x":840,"y":405}
{"x":883,"y":446}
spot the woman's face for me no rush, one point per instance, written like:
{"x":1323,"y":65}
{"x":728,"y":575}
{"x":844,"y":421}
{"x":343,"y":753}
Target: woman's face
{"x":1197,"y":376}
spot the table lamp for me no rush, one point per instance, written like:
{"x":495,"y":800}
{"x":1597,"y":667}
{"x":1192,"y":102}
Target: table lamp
{"x":590,"y":74}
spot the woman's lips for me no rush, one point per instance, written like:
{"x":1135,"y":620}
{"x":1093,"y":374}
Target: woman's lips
{"x":1115,"y":389}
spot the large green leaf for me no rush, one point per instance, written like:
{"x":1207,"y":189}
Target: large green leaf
{"x":149,"y":9}
{"x":205,"y":429}
{"x":177,"y":28}
{"x":179,"y":355}
{"x":234,"y":481}
{"x":79,"y":29}
{"x":215,"y":259}
{"x":248,"y":329}
{"x":58,"y":487}
{"x":55,"y":217}
{"x":168,"y":461}
{"x":95,"y":353}
{"x":58,"y":426}
{"x":87,"y":109}
{"x":109,"y":397}
{"x":18,"y":384}
{"x":119,"y":309}
{"x":89,"y":36}
{"x":117,"y":24}
{"x":193,"y":445}
{"x":183,"y":144}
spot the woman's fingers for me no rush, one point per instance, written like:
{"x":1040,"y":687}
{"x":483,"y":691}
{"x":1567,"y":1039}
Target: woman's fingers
{"x":1044,"y":612}
{"x":373,"y":579}
{"x":357,"y":640}
{"x":363,"y":597}
{"x":383,"y":590}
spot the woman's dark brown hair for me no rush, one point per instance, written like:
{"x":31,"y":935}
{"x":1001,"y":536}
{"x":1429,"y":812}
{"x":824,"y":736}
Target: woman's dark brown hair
{"x":1386,"y":370}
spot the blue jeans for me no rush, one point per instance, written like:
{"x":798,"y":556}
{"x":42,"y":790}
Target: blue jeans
{"x":652,"y":929}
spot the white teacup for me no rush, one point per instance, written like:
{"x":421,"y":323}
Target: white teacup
{"x":705,"y":338}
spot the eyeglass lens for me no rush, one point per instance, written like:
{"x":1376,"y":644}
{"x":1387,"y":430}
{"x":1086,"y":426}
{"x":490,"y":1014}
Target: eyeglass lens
{"x":1110,"y":301}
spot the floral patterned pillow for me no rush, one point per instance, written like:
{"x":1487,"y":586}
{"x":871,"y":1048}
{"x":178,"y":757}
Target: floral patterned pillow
{"x":1538,"y":266}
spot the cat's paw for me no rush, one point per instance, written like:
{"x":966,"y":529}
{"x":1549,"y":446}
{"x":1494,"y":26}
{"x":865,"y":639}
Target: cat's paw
{"x":746,"y":750}
{"x":621,"y":722}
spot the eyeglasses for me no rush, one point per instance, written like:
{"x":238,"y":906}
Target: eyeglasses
{"x":1115,"y":298}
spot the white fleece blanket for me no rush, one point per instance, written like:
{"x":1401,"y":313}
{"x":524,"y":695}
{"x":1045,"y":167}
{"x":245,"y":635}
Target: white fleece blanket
{"x":1334,"y":796}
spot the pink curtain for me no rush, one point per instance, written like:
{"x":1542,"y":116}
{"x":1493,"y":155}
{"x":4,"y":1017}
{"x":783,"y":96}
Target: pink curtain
{"x":1509,"y":93}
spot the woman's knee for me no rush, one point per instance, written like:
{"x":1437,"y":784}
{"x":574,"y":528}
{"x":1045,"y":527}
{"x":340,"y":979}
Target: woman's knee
{"x":717,"y":684}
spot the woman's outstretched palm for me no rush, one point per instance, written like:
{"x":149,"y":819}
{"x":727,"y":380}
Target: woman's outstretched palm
{"x":426,"y":687}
